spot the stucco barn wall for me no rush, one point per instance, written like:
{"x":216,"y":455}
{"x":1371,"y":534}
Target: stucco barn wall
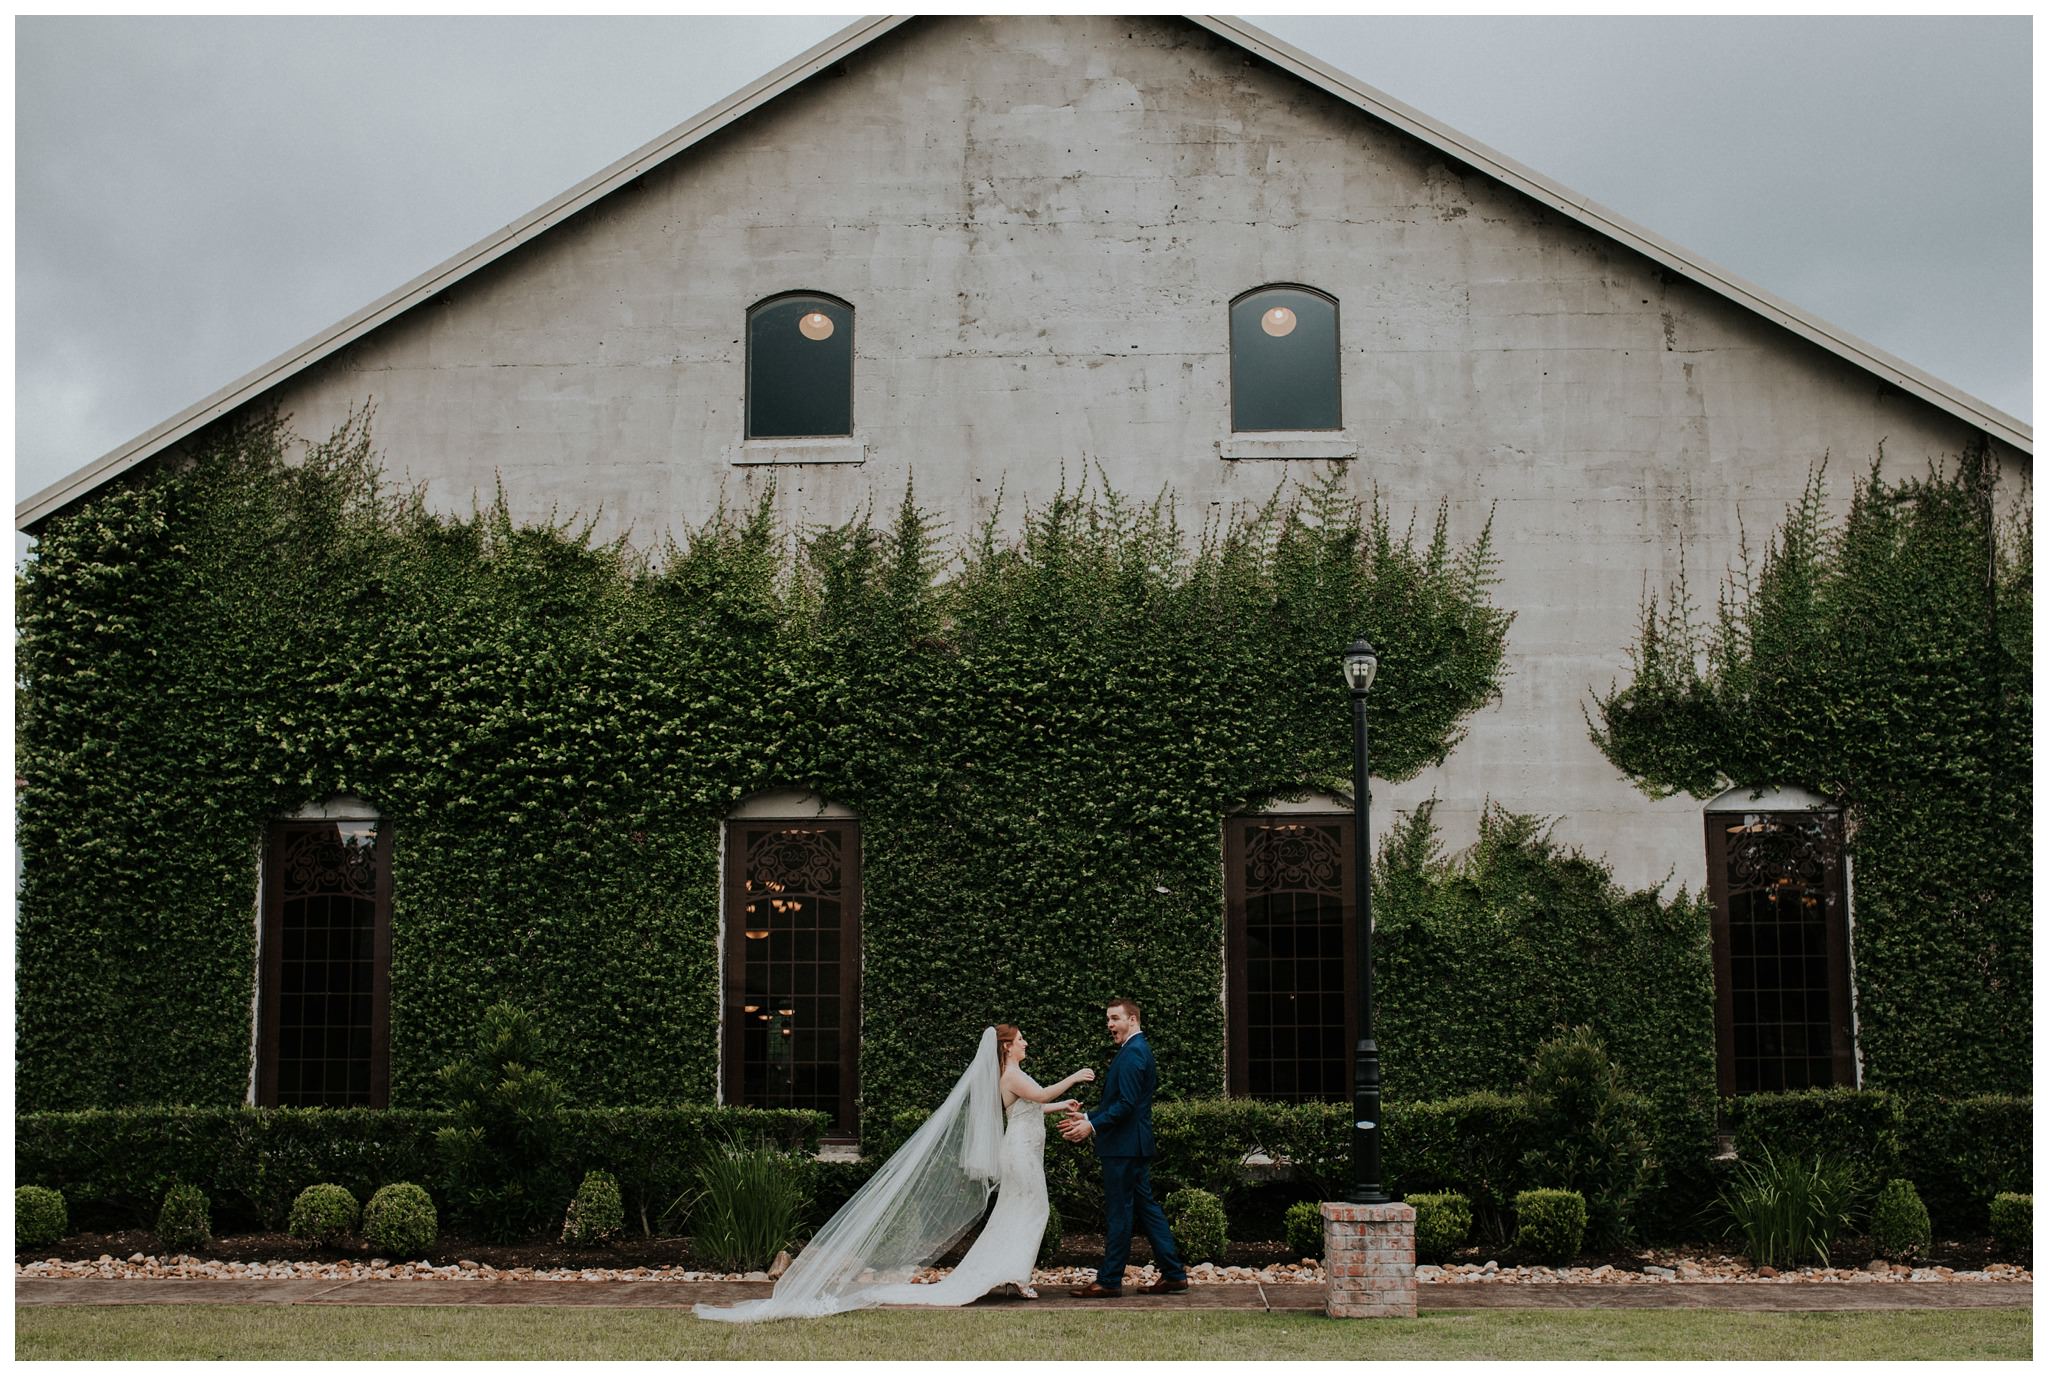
{"x":1040,"y":223}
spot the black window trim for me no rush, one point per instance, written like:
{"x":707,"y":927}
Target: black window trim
{"x":1336,"y":344}
{"x":747,"y":368}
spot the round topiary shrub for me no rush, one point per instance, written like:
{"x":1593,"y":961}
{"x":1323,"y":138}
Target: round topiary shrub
{"x":1550,"y":1224}
{"x":2012,"y":1224}
{"x":1442,"y":1223}
{"x":1304,"y":1228}
{"x":185,"y":1223}
{"x":1898,"y":1222}
{"x":39,"y":1216}
{"x":1055,"y":1234}
{"x":597,"y":1214}
{"x":324,"y":1214}
{"x":1199,"y":1224}
{"x":399,"y":1221}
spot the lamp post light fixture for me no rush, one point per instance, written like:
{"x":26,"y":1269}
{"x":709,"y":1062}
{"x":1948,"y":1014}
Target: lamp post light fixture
{"x":1360,"y":666}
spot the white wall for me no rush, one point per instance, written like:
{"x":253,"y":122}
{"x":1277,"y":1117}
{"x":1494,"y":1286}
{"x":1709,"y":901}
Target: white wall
{"x":1040,"y":223}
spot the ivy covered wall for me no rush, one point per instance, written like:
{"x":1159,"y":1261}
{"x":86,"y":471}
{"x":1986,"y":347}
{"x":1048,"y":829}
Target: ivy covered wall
{"x":1885,"y":662}
{"x":1040,"y":737}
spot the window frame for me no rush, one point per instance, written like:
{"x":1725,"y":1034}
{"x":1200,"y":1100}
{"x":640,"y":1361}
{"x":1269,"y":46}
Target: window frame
{"x":1336,"y":359}
{"x":733,"y":984}
{"x":270,"y":963}
{"x":1841,"y":1031}
{"x":748,"y":390}
{"x":1236,"y":942}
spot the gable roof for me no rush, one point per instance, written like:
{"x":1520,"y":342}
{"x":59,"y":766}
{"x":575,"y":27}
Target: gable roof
{"x":32,"y":512}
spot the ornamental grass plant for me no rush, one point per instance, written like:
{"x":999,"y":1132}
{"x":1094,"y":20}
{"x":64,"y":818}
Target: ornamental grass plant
{"x":1788,"y":1209}
{"x":745,"y":1208}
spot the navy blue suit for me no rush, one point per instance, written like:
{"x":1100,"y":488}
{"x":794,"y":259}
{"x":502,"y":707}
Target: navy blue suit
{"x":1123,"y":1140}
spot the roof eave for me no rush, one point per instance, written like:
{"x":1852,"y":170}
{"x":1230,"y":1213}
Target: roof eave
{"x":31,"y":513}
{"x":1529,"y":182}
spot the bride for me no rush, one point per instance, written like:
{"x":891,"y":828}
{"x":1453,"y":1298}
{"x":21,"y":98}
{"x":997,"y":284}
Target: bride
{"x":988,"y":1135}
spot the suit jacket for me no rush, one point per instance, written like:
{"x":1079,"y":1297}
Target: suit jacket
{"x":1123,"y":1125}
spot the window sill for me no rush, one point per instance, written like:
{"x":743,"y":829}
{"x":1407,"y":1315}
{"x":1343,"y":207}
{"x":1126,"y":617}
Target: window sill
{"x":1315,"y":445}
{"x":751,"y":452}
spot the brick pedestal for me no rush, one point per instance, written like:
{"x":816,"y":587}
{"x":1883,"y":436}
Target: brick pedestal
{"x":1369,"y":1260}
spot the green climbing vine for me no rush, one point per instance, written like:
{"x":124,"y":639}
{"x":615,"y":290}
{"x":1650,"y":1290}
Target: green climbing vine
{"x":1885,"y":662}
{"x":1039,"y":733}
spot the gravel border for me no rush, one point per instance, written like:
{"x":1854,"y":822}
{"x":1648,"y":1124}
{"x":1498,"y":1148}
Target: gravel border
{"x":1712,"y":1270}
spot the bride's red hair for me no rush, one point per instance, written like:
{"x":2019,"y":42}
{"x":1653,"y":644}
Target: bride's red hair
{"x":1005,"y":1035}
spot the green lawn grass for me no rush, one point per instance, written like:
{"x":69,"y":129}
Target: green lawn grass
{"x":287,"y":1332}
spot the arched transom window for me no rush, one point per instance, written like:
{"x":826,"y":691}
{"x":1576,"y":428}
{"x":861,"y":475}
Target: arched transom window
{"x":1283,"y":360}
{"x":799,"y":367}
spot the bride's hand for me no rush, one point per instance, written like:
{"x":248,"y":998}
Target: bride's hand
{"x":1085,"y":1075}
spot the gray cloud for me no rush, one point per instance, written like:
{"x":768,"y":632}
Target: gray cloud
{"x":194,"y":196}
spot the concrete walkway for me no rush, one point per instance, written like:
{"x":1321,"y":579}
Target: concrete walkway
{"x":1761,"y":1296}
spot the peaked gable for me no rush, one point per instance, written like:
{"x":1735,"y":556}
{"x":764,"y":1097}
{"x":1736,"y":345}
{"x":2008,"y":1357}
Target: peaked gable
{"x":823,"y":57}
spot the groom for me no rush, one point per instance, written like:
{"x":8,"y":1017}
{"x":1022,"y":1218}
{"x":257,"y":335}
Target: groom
{"x":1122,"y":1129}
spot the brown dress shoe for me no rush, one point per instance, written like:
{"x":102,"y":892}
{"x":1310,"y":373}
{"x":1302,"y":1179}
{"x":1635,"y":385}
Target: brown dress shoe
{"x":1162,"y":1286}
{"x":1094,"y":1291}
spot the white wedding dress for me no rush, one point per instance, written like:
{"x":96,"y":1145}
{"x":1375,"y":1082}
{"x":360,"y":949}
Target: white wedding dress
{"x":1007,"y":1249}
{"x":918,"y":1205}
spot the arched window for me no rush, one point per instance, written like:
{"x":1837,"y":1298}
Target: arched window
{"x":799,"y":367}
{"x":792,"y":956}
{"x":1289,"y":967}
{"x":1784,"y":1016}
{"x":323,"y":1031}
{"x":1283,"y":360}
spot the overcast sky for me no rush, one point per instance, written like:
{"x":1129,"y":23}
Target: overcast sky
{"x":194,"y":196}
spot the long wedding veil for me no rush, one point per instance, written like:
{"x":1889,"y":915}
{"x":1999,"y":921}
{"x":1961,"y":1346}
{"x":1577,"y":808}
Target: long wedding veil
{"x":921,"y":1202}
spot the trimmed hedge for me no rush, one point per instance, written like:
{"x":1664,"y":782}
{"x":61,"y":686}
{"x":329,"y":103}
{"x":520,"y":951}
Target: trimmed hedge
{"x":1898,"y":1222}
{"x":1550,"y":1225}
{"x":1957,"y":1152}
{"x":1960,"y":1152}
{"x":1303,"y":1226}
{"x":554,"y":731}
{"x":1201,"y":1229}
{"x":185,"y":1222}
{"x":595,"y":1215}
{"x":1484,"y":955}
{"x":399,"y":1221}
{"x":324,"y":1213}
{"x":1442,"y":1223}
{"x":2012,"y":1223}
{"x":39,"y":1216}
{"x":114,"y":1164}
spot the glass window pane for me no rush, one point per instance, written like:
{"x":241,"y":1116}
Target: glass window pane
{"x":1283,"y":361}
{"x":799,"y":368}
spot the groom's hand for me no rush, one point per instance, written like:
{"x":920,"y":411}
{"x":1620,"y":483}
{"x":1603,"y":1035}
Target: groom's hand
{"x":1077,"y":1128}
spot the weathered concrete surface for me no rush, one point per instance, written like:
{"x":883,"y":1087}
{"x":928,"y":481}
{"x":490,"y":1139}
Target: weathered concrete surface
{"x":1040,"y":223}
{"x":1271,"y":1298}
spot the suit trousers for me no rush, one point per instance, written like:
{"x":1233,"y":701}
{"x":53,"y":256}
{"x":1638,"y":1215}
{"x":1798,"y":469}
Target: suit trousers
{"x":1127,"y":1200}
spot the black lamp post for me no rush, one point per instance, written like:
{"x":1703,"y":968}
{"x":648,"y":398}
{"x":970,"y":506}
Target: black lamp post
{"x":1360,"y":664}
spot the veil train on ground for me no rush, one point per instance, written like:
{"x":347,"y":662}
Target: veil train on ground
{"x":920,"y":1202}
